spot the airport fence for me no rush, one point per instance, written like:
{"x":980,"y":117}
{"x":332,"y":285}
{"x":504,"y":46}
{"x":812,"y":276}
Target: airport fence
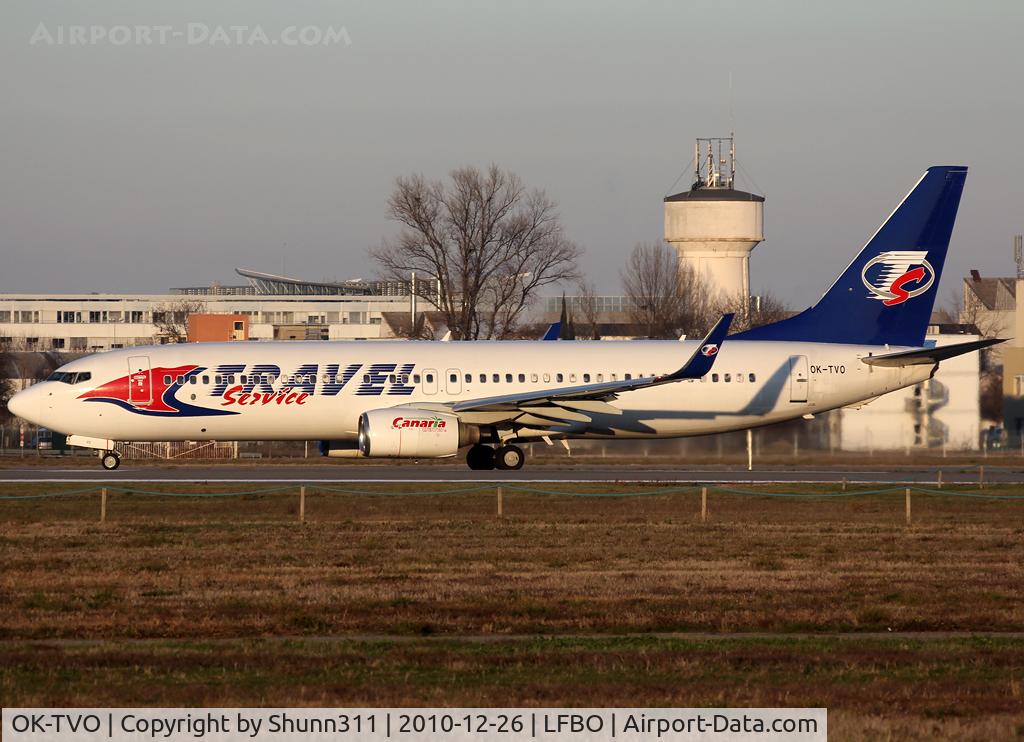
{"x":299,"y":493}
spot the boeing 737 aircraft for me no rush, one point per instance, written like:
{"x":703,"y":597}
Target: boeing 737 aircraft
{"x":864,"y":337}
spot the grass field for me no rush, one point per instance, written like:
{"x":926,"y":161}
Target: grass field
{"x":409,"y":599}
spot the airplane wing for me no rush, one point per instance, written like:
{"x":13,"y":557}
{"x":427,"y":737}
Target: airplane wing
{"x":567,"y":405}
{"x":928,"y":356}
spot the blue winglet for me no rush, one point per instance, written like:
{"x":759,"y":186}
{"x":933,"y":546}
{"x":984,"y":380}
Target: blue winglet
{"x":553,"y":331}
{"x":704,"y":357}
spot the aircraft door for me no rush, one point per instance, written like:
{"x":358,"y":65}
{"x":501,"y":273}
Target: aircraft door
{"x":140,"y":380}
{"x":430,"y":381}
{"x":453,"y":381}
{"x":799,"y":379}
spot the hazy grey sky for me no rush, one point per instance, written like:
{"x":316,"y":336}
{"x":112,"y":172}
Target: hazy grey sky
{"x":135,"y":168}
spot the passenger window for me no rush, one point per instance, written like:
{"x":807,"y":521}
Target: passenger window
{"x":615,"y":377}
{"x":391,"y":378}
{"x":600,"y":377}
{"x":586,"y":378}
{"x":167,"y":379}
{"x":572,"y":377}
{"x":533,"y":378}
{"x":430,"y":378}
{"x":547,"y":378}
{"x":483,"y":378}
{"x":752,"y":378}
{"x":714,"y":378}
{"x":739,"y":378}
{"x":508,"y":378}
{"x":495,"y":378}
{"x":629,"y":377}
{"x":559,"y":378}
{"x":415,"y":378}
{"x":469,"y":378}
{"x":206,"y":379}
{"x":453,"y":378}
{"x":181,"y":379}
{"x":366,"y":378}
{"x":231,"y":379}
{"x":728,"y":378}
{"x":522,"y":378}
{"x":193,"y":379}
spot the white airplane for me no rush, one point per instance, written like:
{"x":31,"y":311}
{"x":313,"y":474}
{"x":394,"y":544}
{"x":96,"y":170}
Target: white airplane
{"x":863,"y":338}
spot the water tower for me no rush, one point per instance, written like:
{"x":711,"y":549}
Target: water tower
{"x":713,"y":226}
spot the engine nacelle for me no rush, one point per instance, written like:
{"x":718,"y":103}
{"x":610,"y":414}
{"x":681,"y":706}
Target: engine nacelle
{"x":408,"y":433}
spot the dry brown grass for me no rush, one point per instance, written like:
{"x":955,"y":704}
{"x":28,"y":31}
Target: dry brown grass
{"x":187,"y":569}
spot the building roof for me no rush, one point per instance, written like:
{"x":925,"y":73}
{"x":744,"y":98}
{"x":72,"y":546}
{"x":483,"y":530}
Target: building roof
{"x":994,"y":293}
{"x":714,"y":194}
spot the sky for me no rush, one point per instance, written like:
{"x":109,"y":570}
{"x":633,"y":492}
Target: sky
{"x":134,"y":167}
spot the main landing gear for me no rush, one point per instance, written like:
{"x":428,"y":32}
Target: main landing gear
{"x":485,"y":458}
{"x":110,"y":460}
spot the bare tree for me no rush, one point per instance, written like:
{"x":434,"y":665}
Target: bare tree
{"x":171,"y":320}
{"x":7,"y":389}
{"x":667,"y":298}
{"x":753,"y":311}
{"x":489,"y":242}
{"x":589,"y":310}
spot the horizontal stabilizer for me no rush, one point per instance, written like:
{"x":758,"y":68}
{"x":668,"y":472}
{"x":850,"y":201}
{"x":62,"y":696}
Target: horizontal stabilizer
{"x":929,"y":356}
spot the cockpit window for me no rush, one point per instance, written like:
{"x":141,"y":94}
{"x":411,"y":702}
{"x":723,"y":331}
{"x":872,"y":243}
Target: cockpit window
{"x":70,"y":377}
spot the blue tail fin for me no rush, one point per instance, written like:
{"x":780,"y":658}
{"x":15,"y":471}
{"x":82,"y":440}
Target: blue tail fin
{"x":886,"y":295}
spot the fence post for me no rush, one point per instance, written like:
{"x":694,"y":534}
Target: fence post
{"x":844,"y":484}
{"x":703,"y":504}
{"x":501,"y":508}
{"x":907,"y":496}
{"x":302,"y":503}
{"x":981,"y":477}
{"x":103,"y":505}
{"x":939,"y":481}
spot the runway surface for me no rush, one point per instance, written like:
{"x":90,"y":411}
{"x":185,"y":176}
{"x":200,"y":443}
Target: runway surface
{"x":340,"y":473}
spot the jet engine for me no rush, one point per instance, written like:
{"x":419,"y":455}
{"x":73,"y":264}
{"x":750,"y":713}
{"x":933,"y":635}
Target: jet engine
{"x":410,"y":433}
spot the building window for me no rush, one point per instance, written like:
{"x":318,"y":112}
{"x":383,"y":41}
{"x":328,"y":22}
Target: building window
{"x":238,"y":325}
{"x":57,"y":342}
{"x":5,"y":316}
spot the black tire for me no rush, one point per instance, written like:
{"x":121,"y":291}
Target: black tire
{"x":509,"y":458}
{"x":110,"y":460}
{"x":480,"y":458}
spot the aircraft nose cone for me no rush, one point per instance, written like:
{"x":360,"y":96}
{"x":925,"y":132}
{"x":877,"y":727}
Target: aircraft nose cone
{"x":25,"y":404}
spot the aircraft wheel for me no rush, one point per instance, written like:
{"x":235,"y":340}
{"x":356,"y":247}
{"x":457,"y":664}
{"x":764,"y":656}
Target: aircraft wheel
{"x":110,"y":460}
{"x":480,"y":458}
{"x":509,"y":457}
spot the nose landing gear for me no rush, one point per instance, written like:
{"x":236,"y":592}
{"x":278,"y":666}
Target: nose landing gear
{"x":110,"y":460}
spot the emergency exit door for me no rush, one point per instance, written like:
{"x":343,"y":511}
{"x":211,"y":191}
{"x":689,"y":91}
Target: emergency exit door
{"x":140,"y":380}
{"x":799,"y":379}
